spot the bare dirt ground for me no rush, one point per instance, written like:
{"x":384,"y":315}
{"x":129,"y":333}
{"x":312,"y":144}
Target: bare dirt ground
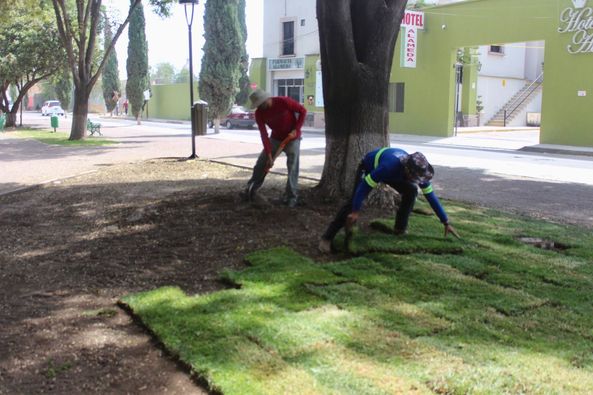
{"x":70,"y":249}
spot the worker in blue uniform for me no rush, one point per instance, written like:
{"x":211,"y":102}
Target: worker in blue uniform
{"x":403,"y":172}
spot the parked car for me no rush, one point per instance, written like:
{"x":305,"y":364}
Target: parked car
{"x":51,"y":107}
{"x":239,"y":117}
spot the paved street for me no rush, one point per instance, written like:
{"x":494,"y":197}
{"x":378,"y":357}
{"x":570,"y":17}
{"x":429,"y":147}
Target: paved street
{"x":488,"y":168}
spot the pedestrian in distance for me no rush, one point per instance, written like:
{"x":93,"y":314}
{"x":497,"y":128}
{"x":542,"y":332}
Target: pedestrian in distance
{"x":126,"y":104}
{"x":401,"y":171}
{"x":147,"y":95}
{"x":115,"y":99}
{"x":285,"y":117}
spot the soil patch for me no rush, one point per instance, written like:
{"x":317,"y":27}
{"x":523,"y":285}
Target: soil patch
{"x":543,"y":243}
{"x":70,"y":249}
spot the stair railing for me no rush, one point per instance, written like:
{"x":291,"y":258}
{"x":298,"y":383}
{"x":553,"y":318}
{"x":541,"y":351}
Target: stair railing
{"x":530,"y":89}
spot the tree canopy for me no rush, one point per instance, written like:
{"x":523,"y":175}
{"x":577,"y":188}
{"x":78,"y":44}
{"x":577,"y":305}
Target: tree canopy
{"x":137,"y":62}
{"x":30,"y":51}
{"x":110,"y":78}
{"x":222,"y":52}
{"x":78,"y":22}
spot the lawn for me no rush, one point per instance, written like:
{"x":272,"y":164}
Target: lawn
{"x":488,"y":314}
{"x":59,"y":138}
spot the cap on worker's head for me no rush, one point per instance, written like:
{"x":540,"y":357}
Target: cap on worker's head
{"x":258,"y":98}
{"x":419,"y":168}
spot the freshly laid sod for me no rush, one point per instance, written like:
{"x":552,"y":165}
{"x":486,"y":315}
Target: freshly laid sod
{"x":487,"y":314}
{"x":59,"y":138}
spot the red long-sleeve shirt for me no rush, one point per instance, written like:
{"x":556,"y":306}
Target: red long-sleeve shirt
{"x":281,"y":118}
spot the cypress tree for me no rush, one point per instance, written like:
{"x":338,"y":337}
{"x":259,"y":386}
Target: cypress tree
{"x":110,"y":75}
{"x":219,"y":75}
{"x":244,"y":88}
{"x":137,"y":62}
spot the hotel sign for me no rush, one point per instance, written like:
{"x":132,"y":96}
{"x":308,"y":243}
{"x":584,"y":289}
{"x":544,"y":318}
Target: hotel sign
{"x":578,"y":21}
{"x":411,"y":23}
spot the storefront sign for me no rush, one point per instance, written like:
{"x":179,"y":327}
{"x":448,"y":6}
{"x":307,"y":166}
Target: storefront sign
{"x":578,"y":21}
{"x":286,"y":63}
{"x":411,"y":23}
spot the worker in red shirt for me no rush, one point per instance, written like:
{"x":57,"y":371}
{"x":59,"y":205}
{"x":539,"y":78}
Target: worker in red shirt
{"x":285,"y":117}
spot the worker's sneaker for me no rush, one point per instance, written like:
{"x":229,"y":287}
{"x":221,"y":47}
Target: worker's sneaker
{"x":400,"y":232}
{"x":325,"y":246}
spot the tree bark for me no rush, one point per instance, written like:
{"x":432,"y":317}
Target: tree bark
{"x":10,"y":119}
{"x":357,"y":40}
{"x":79,"y":113}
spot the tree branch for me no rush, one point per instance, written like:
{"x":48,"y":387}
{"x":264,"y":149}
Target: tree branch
{"x":119,"y":31}
{"x":66,"y":36}
{"x":95,"y":15}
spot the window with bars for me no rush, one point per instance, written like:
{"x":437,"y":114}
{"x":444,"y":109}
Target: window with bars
{"x":292,"y":87}
{"x":496,"y":49}
{"x":396,"y":97}
{"x":288,"y":38}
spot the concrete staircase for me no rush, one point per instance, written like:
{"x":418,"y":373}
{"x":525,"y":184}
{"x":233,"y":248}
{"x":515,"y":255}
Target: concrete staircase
{"x":517,"y":103}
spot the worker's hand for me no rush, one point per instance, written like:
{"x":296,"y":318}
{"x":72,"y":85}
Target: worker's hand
{"x":351,"y":220}
{"x":292,"y":134}
{"x":450,"y":229}
{"x":270,"y":163}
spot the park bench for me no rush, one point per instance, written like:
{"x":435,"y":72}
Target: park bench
{"x":93,"y":127}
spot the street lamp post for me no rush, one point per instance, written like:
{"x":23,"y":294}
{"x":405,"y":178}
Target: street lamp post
{"x":189,"y":19}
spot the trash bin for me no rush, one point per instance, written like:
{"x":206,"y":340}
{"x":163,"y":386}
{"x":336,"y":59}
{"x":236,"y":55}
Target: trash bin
{"x":199,"y":118}
{"x":2,"y":122}
{"x":54,"y":121}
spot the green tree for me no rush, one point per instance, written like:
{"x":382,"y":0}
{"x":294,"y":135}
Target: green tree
{"x":164,"y":74}
{"x":78,"y":23}
{"x":23,"y":61}
{"x":222,"y":52}
{"x":63,"y":85}
{"x":183,"y":76}
{"x":357,"y":39}
{"x":244,"y":83}
{"x":59,"y":86}
{"x":137,"y":63}
{"x":110,"y":75}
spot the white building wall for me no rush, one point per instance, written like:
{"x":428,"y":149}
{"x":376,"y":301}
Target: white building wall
{"x":495,"y":92}
{"x":305,"y":27}
{"x":534,"y":106}
{"x":510,"y":65}
{"x":306,"y":35}
{"x":534,"y":59}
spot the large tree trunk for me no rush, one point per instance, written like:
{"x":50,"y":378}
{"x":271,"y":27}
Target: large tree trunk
{"x":79,"y":114}
{"x":357,"y":40}
{"x":11,"y":118}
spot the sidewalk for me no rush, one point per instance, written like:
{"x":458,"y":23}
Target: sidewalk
{"x":511,"y":138}
{"x":492,"y":169}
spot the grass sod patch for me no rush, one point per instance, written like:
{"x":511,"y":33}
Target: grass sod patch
{"x":59,"y":138}
{"x":502,"y":317}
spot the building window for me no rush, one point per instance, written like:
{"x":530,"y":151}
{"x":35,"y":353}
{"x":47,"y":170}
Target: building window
{"x":302,"y":22}
{"x":496,"y":49}
{"x":293,"y":88}
{"x":288,"y":38}
{"x":396,"y":97}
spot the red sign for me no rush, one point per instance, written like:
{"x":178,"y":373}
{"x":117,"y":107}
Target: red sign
{"x":413,"y":19}
{"x":253,"y":86}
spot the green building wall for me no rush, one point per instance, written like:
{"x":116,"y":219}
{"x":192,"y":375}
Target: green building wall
{"x":430,"y":87}
{"x":171,"y":101}
{"x":257,"y":72}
